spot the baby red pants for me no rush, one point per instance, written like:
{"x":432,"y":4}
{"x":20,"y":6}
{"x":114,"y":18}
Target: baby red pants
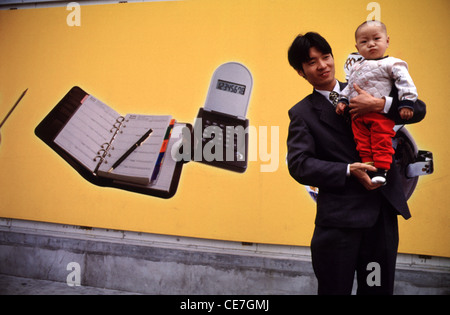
{"x":373,"y":134}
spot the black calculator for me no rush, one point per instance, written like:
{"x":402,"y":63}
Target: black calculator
{"x":221,"y":126}
{"x":224,"y":141}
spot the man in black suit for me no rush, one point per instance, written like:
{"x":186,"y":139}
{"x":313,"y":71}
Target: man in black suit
{"x":356,"y":222}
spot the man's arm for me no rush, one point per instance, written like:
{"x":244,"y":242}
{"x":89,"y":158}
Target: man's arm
{"x":419,"y":109}
{"x":307,"y":169}
{"x":303,"y":164}
{"x":365,"y":103}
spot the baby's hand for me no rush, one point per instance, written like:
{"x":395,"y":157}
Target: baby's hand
{"x":340,"y":108}
{"x":406,"y":113}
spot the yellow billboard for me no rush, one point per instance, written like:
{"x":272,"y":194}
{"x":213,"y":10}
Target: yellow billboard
{"x":158,"y":58}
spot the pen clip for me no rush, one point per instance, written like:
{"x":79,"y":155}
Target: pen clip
{"x":131,"y":149}
{"x":147,"y":136}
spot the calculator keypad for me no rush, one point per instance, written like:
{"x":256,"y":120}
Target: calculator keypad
{"x":228,"y":131}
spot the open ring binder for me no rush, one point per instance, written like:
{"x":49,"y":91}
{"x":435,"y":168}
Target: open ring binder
{"x":61,"y":119}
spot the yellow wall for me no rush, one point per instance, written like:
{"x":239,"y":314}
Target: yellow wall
{"x":158,"y":58}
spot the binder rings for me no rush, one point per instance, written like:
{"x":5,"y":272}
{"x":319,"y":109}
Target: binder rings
{"x":72,"y":130}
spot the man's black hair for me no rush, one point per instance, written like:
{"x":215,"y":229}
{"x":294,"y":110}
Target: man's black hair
{"x":299,"y":51}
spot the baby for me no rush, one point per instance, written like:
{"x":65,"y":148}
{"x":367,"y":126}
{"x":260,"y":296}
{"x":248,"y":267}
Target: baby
{"x":376,"y":74}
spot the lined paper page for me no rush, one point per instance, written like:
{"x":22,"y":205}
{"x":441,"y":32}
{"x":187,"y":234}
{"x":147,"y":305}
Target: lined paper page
{"x":138,"y":166}
{"x":87,"y":130}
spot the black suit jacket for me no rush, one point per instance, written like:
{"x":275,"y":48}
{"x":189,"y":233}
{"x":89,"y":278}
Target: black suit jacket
{"x":320,"y":146}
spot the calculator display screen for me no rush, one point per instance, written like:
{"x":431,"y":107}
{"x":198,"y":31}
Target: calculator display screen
{"x":230,"y":87}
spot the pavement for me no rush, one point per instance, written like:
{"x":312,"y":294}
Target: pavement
{"x":11,"y":285}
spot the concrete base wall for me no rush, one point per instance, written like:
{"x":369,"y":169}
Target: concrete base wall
{"x":157,"y":264}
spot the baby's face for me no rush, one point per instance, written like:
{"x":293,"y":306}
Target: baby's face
{"x":372,"y":41}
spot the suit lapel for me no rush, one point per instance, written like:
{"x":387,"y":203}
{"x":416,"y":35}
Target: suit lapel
{"x":327,"y":113}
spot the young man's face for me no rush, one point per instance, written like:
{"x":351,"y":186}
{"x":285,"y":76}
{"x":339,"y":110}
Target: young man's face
{"x":372,"y":41}
{"x":319,"y":70}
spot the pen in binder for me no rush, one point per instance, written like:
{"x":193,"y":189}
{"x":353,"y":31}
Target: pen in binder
{"x":163,"y":150}
{"x":130,"y":150}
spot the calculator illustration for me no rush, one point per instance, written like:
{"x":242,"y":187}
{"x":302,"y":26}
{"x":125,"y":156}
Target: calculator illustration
{"x":221,"y":125}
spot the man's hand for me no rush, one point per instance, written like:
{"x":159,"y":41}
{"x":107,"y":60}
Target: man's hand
{"x":365,"y":103}
{"x":359,"y":170}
